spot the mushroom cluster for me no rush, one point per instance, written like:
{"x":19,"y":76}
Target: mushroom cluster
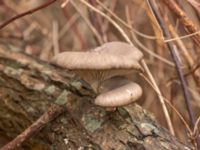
{"x":105,"y":69}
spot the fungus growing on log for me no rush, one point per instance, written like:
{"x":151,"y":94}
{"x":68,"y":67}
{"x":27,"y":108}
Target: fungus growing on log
{"x":103,"y":63}
{"x":118,"y":91}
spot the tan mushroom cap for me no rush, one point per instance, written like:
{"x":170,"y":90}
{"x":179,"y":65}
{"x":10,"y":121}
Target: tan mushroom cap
{"x":112,"y":55}
{"x":94,"y":66}
{"x":121,"y":96}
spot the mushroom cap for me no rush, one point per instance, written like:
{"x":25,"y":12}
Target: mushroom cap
{"x":95,"y":66}
{"x":112,"y":55}
{"x":121,"y":96}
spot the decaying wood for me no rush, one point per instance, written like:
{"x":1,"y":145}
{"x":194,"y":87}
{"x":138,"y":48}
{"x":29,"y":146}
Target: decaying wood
{"x":28,"y":87}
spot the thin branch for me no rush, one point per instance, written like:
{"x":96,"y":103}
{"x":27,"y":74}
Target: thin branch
{"x":142,"y":34}
{"x":184,"y":19}
{"x":55,"y":40}
{"x":49,"y":115}
{"x":182,"y":37}
{"x":182,"y":47}
{"x":164,"y":107}
{"x":130,"y":28}
{"x":176,"y":61}
{"x":26,"y":13}
{"x":44,"y":54}
{"x":171,"y":106}
{"x":63,"y":4}
{"x":96,"y":20}
{"x":106,"y":24}
{"x":109,"y":19}
{"x":95,"y":32}
{"x":196,"y":128}
{"x":74,"y":28}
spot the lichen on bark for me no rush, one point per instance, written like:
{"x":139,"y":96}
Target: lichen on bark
{"x":28,"y":87}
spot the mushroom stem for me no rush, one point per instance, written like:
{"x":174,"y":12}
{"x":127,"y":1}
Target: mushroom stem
{"x":111,"y":109}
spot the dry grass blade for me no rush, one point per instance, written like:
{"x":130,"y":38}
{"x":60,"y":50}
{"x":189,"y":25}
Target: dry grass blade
{"x":195,"y":4}
{"x":173,"y":108}
{"x":64,"y":3}
{"x":186,"y":53}
{"x":166,"y":113}
{"x":184,"y":19}
{"x":108,"y":18}
{"x":172,"y":50}
{"x":55,"y":38}
{"x":182,"y":37}
{"x":125,"y":24}
{"x":44,"y":54}
{"x":150,"y":52}
{"x":196,"y":128}
{"x":95,"y":32}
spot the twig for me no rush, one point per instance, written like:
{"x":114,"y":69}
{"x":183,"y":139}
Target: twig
{"x":186,"y":54}
{"x":182,"y":47}
{"x":49,"y":115}
{"x":26,"y":13}
{"x":75,"y":29}
{"x":166,"y":113}
{"x":109,"y":19}
{"x":182,"y":37}
{"x":96,"y":20}
{"x":142,"y":34}
{"x":170,"y":105}
{"x":65,"y":28}
{"x":150,"y":52}
{"x":177,"y":63}
{"x":195,"y":5}
{"x":196,"y":128}
{"x":143,"y":61}
{"x":164,"y":107}
{"x":95,"y":32}
{"x":55,"y":40}
{"x":125,"y":24}
{"x":63,"y":4}
{"x":106,"y":24}
{"x":184,"y":19}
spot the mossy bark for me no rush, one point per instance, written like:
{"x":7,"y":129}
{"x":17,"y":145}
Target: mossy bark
{"x":28,"y":87}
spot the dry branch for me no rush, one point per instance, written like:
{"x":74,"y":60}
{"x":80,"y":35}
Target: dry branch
{"x":182,"y":79}
{"x":184,"y":19}
{"x":4,"y":24}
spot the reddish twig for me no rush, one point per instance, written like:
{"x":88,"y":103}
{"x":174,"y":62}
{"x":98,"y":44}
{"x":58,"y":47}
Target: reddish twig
{"x":177,"y":63}
{"x":106,"y":23}
{"x":48,"y":116}
{"x":184,"y":19}
{"x":4,"y":24}
{"x":96,"y":20}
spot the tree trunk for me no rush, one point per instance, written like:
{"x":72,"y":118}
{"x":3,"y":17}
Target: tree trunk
{"x":28,"y":87}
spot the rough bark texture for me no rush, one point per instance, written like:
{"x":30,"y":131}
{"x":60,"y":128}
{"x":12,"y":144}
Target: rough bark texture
{"x":29,"y":86}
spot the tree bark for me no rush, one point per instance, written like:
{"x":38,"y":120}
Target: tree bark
{"x":28,"y":87}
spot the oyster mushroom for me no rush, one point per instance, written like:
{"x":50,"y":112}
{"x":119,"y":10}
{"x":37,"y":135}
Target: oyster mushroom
{"x":103,"y":63}
{"x":118,"y":91}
